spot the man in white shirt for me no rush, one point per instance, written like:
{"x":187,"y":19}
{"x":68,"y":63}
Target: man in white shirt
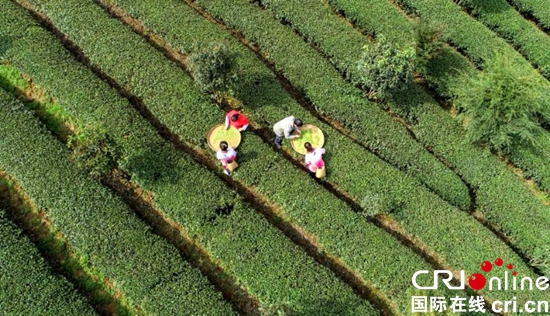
{"x":285,"y":128}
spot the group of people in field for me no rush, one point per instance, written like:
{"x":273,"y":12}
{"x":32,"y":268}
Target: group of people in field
{"x":288,"y":128}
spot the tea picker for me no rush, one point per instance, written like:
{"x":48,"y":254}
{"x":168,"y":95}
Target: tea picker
{"x":314,"y":160}
{"x":224,"y":142}
{"x":236,"y":119}
{"x":228,"y":157}
{"x":310,"y":143}
{"x":285,"y":128}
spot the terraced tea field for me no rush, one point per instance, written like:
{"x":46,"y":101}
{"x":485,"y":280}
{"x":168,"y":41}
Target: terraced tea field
{"x":165,"y":232}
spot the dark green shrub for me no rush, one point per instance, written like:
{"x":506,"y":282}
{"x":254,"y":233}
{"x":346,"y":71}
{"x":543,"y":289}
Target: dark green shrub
{"x":428,"y":41}
{"x":213,"y":67}
{"x":385,"y":67}
{"x":94,"y":150}
{"x":499,"y":105}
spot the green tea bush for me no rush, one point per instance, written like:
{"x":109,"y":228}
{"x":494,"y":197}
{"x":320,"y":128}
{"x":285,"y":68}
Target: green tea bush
{"x":384,"y":67}
{"x":114,"y":242}
{"x":29,"y":285}
{"x":476,"y":41}
{"x":522,"y":34}
{"x":431,"y":124}
{"x":94,"y":150}
{"x":329,"y":93}
{"x":428,"y":42}
{"x":537,"y":8}
{"x":375,"y":204}
{"x":499,"y":106}
{"x":422,"y":211}
{"x":214,"y":67}
{"x":4,"y":43}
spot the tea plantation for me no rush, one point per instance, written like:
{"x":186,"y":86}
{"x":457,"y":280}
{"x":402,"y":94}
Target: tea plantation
{"x":148,"y":224}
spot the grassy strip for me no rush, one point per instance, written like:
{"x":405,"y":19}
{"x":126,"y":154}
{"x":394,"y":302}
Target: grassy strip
{"x":317,"y":25}
{"x":341,"y":233}
{"x":243,"y":243}
{"x":30,"y":286}
{"x":535,"y":8}
{"x":51,"y":242}
{"x":409,"y":214}
{"x":53,"y":116}
{"x":535,"y":163}
{"x":380,"y":18}
{"x":487,"y":175}
{"x":504,"y":20}
{"x":106,"y":236}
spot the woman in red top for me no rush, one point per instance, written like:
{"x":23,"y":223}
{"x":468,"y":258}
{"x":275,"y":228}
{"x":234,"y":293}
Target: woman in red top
{"x":235,"y":118}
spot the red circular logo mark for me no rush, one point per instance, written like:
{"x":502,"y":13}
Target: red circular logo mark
{"x":486,"y":266}
{"x":477,"y":281}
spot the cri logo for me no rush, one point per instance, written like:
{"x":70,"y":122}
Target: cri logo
{"x":477,"y":281}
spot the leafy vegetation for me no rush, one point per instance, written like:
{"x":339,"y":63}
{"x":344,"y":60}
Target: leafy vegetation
{"x":94,"y":150}
{"x":444,"y":71}
{"x":428,"y":42}
{"x":267,"y":172}
{"x":29,"y":286}
{"x":541,"y":259}
{"x":497,"y":189}
{"x":215,"y":217}
{"x":4,"y":44}
{"x":112,"y":242}
{"x":419,"y":209}
{"x":261,"y":175}
{"x":232,"y":234}
{"x":348,"y":177}
{"x":504,"y":20}
{"x":384,"y":68}
{"x":375,"y":204}
{"x":499,"y":106}
{"x":329,"y":93}
{"x":537,"y":8}
{"x":473,"y":38}
{"x":213,"y":67}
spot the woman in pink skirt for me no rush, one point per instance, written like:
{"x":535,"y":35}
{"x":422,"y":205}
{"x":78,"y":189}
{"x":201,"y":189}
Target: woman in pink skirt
{"x":226,"y":155}
{"x":314,"y":159}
